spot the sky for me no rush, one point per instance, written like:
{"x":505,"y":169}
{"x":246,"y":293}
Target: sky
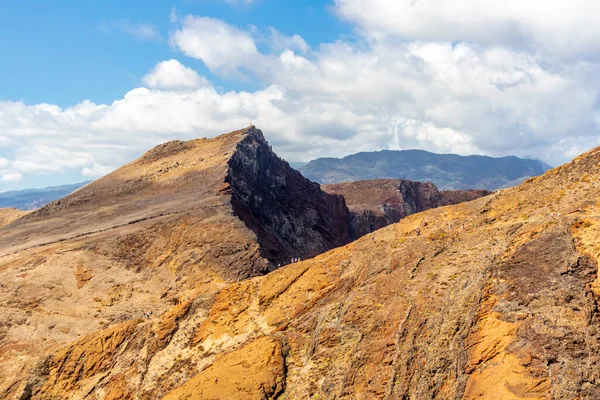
{"x":86,"y":87}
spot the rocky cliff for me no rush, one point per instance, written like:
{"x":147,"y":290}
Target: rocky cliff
{"x":381,"y":202}
{"x":180,"y":222}
{"x":496,"y":298}
{"x":291,"y":215}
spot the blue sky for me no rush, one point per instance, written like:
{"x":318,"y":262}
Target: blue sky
{"x":89,"y":86}
{"x":63,"y":52}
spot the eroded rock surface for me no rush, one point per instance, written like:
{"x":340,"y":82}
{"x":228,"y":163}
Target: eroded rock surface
{"x":496,"y":298}
{"x":181,"y":222}
{"x":377,"y":203}
{"x":292,"y":216}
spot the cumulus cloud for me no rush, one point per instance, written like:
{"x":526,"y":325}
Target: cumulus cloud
{"x":279,"y":42}
{"x":49,"y":158}
{"x":171,"y":74}
{"x":222,"y":47}
{"x":387,"y":90}
{"x":560,"y":27}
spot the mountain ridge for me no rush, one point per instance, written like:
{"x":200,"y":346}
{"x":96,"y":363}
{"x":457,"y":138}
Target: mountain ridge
{"x":491,"y":298}
{"x":447,"y":171}
{"x":177,"y":223}
{"x":495,"y":298}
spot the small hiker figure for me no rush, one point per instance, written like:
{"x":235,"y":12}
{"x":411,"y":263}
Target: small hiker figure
{"x":463,"y":226}
{"x":418,"y":232}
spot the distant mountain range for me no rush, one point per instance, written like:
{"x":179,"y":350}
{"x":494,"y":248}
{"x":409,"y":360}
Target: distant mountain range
{"x":28,"y":199}
{"x":446,"y":171}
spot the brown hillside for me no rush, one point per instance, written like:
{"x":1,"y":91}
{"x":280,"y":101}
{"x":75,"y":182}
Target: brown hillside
{"x":8,"y":215}
{"x":180,"y":222}
{"x":502,"y":308}
{"x":495,"y":299}
{"x":381,"y":202}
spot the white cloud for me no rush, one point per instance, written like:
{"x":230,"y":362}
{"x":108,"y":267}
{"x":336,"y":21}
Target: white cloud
{"x":49,"y":158}
{"x":463,"y":99}
{"x":560,"y":27}
{"x":279,"y":41}
{"x":96,"y":171}
{"x":171,"y":74}
{"x":339,"y":98}
{"x":11,"y":177}
{"x":222,"y":47}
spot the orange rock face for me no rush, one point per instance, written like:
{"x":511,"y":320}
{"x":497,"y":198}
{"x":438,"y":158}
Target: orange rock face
{"x":254,"y":372}
{"x":494,"y":299}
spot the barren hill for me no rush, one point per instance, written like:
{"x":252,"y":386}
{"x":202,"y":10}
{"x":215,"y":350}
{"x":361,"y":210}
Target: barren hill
{"x":183,"y":220}
{"x":495,"y":299}
{"x":381,"y":202}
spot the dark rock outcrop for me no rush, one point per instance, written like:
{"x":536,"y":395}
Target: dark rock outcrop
{"x":291,"y":215}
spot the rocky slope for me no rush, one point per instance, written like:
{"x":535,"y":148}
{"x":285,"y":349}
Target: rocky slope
{"x":502,"y":308}
{"x":291,"y":216}
{"x":180,"y":222}
{"x":381,"y":202}
{"x":497,"y":298}
{"x":447,"y":171}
